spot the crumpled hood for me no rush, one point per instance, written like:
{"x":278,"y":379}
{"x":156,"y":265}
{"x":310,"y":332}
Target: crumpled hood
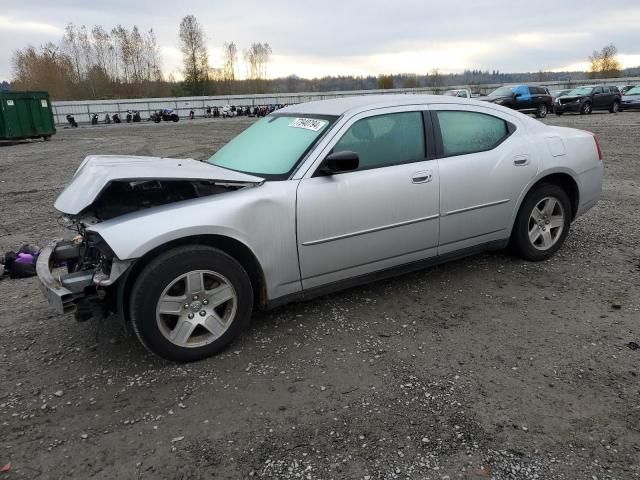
{"x":97,"y":171}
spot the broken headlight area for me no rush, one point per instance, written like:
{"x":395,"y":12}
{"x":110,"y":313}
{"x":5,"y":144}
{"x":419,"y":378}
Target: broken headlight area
{"x":88,"y":270}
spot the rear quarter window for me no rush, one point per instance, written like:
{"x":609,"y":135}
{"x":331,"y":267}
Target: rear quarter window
{"x":465,"y":132}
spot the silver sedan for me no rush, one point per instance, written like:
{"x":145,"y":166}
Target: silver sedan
{"x":313,"y":198}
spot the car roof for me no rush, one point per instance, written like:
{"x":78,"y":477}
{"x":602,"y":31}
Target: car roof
{"x":340,"y":106}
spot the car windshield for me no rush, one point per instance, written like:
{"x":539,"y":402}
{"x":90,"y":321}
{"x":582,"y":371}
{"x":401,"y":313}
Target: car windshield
{"x":633,"y":91}
{"x":502,"y":92}
{"x":580,"y":91}
{"x":271,"y":147}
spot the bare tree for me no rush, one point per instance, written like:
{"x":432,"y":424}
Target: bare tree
{"x":257,"y":58}
{"x":230,"y":61}
{"x":48,"y":69}
{"x":436,"y":78}
{"x":122,"y":45}
{"x":152,"y":57}
{"x":195,"y":57}
{"x":88,"y":58}
{"x":410,"y":81}
{"x":385,"y":82}
{"x":102,"y":46}
{"x":72,"y":49}
{"x":605,"y":63}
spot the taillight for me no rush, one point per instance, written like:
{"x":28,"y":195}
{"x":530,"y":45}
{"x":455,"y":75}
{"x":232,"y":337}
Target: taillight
{"x":597,"y":140}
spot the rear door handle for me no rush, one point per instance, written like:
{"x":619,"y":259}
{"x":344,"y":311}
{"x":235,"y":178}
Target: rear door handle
{"x":521,"y":160}
{"x":422,"y":177}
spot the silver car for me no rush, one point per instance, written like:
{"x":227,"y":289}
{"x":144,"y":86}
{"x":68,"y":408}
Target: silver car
{"x":313,"y":198}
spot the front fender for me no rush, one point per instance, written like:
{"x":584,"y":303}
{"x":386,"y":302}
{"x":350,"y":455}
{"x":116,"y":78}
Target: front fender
{"x":262,"y":219}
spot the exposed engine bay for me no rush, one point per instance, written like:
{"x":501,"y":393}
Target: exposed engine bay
{"x":92,"y":267}
{"x":126,"y":196}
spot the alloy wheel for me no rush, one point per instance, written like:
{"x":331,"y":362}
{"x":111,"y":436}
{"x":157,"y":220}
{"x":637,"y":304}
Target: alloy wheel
{"x":196,"y":308}
{"x":546,"y":223}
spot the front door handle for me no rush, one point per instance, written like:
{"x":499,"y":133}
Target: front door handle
{"x":422,"y":177}
{"x":521,"y":160}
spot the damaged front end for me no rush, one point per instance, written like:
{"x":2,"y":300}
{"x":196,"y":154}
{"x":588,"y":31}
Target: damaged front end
{"x":80,"y":276}
{"x":83,"y":274}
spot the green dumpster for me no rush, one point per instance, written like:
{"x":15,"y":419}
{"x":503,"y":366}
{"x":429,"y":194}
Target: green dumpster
{"x":26,"y":115}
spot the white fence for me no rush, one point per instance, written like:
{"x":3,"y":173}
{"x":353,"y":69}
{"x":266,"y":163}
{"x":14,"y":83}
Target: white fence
{"x":82,"y":110}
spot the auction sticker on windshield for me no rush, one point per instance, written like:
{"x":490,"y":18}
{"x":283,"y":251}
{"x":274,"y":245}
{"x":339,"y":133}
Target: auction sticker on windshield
{"x":312,"y":124}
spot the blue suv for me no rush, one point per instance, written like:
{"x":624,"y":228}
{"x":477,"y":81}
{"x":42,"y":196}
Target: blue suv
{"x":524,"y":98}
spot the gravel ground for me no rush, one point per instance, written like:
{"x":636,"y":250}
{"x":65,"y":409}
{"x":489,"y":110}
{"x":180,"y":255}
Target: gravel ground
{"x":488,"y":367}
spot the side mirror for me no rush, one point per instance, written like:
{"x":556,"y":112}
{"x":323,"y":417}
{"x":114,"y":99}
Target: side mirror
{"x":517,"y":95}
{"x":339,"y":162}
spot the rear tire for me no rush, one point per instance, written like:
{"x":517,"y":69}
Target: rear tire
{"x":542,"y":110}
{"x":615,"y":107}
{"x":542,"y":223}
{"x":190,"y":302}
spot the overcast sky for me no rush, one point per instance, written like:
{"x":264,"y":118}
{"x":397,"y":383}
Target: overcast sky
{"x":313,"y":38}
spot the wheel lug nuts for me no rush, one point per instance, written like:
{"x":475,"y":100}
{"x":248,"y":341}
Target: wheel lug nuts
{"x":205,"y":302}
{"x":202,"y":313}
{"x":195,"y":297}
{"x":186,"y":305}
{"x":190,"y":315}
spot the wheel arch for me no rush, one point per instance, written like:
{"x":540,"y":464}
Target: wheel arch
{"x":564,"y":180}
{"x":232,"y":247}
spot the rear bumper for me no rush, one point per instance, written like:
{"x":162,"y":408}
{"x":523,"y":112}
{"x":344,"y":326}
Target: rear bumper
{"x":590,"y":188}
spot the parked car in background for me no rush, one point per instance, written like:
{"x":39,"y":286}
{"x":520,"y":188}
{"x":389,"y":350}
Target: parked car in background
{"x":624,"y":89}
{"x":524,"y":98}
{"x":558,"y":93}
{"x":631,"y":99}
{"x":460,"y":93}
{"x":584,"y":100}
{"x":314,"y":198}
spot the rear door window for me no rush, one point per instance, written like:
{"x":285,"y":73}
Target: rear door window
{"x":465,"y":132}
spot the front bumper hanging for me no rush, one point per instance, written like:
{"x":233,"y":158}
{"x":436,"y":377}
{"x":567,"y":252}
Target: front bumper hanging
{"x":59,"y":296}
{"x":66,"y":291}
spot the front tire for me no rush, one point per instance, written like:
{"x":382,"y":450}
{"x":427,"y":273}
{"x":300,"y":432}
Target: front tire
{"x":542,"y":110}
{"x":190,"y":302}
{"x":586,"y":108}
{"x":542,"y":223}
